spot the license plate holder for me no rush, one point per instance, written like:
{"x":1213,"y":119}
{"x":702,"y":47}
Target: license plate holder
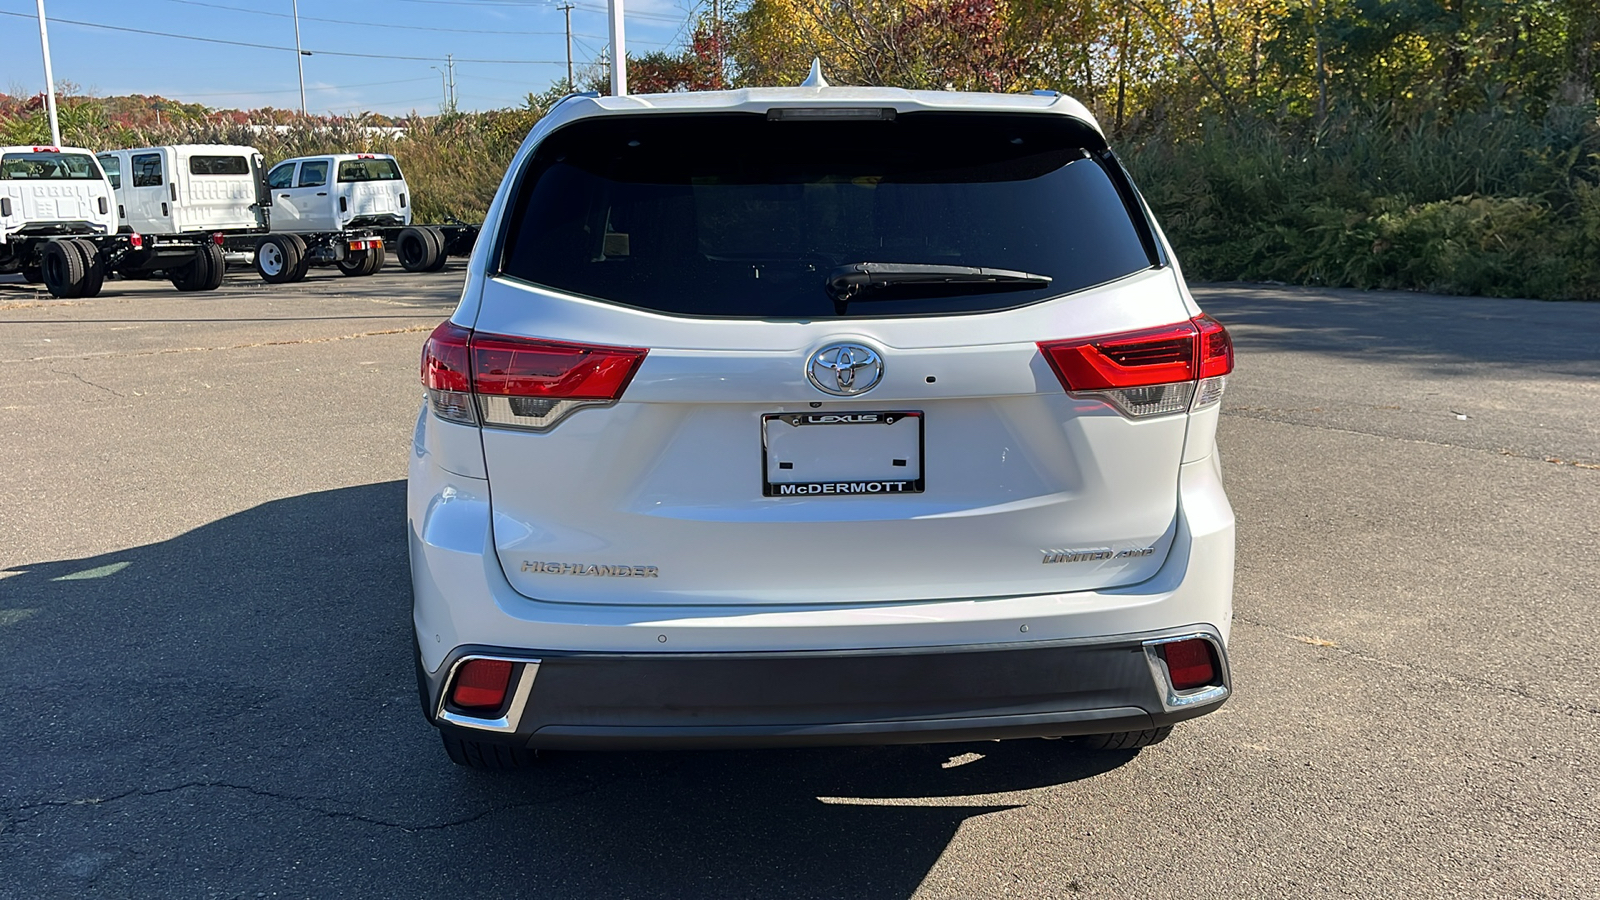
{"x":815,"y":454}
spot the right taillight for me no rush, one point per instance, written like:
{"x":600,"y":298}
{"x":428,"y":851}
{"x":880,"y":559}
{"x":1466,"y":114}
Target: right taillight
{"x":1149,"y":372}
{"x":520,"y":382}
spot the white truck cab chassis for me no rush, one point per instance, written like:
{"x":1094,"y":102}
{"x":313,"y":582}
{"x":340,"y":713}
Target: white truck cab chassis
{"x":57,"y":226}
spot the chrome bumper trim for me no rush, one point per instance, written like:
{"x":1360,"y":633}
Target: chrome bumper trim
{"x":1172,"y":699}
{"x":527,"y":671}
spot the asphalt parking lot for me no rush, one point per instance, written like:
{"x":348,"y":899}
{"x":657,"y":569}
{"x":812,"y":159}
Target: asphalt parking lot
{"x":206,"y":686}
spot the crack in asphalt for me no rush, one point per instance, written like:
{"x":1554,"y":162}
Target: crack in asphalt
{"x":1245,"y":413}
{"x":1464,"y":681}
{"x":40,"y":808}
{"x":89,"y":383}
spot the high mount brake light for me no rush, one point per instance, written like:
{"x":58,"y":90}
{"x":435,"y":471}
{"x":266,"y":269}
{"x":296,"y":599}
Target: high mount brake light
{"x":1152,"y":371}
{"x":520,"y":382}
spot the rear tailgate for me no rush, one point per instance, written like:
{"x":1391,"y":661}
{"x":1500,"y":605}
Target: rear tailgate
{"x":659,"y":498}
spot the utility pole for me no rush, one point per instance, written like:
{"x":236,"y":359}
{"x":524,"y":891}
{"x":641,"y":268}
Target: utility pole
{"x":299,"y":55}
{"x":568,"y":10}
{"x":49,"y":80}
{"x":450,"y":63}
{"x":619,"y":51}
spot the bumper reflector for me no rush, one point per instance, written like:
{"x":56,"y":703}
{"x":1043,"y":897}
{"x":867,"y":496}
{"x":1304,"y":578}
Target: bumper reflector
{"x":481,"y":684}
{"x":1189,"y":664}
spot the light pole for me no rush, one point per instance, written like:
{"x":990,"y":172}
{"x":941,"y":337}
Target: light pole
{"x":299,"y":55}
{"x":619,"y":53}
{"x":49,"y":80}
{"x":444,"y":91}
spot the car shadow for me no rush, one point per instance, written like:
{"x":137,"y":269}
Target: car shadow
{"x":199,"y":712}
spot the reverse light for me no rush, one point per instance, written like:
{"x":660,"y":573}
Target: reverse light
{"x":1148,"y":372}
{"x":520,"y":382}
{"x":481,"y":684}
{"x":1189,"y":664}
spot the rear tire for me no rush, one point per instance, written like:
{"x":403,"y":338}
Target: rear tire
{"x":486,"y":756}
{"x":94,"y":271}
{"x":279,"y":258}
{"x":61,"y":266}
{"x":204,"y":273}
{"x":362,"y":262}
{"x":439,"y":241}
{"x":1125,"y":740}
{"x":417,"y":249}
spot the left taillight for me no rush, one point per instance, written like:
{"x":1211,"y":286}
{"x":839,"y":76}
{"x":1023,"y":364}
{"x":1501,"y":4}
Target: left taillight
{"x":447,"y":373}
{"x":520,"y":382}
{"x":1148,"y":372}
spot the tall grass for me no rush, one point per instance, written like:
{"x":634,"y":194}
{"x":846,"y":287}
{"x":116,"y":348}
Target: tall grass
{"x":1490,"y":204}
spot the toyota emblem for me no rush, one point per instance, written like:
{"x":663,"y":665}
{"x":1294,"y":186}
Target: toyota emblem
{"x":845,"y":369}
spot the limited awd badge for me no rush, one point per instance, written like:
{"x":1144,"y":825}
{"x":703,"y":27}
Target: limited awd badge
{"x":845,"y":370}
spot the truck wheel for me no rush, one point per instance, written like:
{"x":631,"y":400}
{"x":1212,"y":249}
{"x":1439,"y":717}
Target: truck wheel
{"x":278,"y":258}
{"x":94,"y":271}
{"x":416,"y":248}
{"x":62,"y":268}
{"x":443,"y":256}
{"x":204,"y":273}
{"x":362,"y":262}
{"x":486,"y":755}
{"x":1125,"y":740}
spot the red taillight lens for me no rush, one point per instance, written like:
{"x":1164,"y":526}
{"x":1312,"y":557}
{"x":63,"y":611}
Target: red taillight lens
{"x":1189,"y":664}
{"x":1216,"y":348}
{"x":1132,"y":359}
{"x":445,"y":365}
{"x":1153,"y":371}
{"x":218,"y":238}
{"x":481,"y":684}
{"x":512,"y":367}
{"x":519,"y":382}
{"x":136,"y":241}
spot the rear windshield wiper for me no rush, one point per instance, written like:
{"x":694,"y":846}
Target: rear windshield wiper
{"x":858,"y":281}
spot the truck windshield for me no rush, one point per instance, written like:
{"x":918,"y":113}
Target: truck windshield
{"x":737,"y":215}
{"x":369,"y":170}
{"x":51,"y":166}
{"x":218,"y":165}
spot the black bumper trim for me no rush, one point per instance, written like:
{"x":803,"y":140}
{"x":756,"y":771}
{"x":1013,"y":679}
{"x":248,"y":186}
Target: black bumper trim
{"x":910,"y":695}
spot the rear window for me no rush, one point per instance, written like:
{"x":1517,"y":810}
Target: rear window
{"x":48,"y":166}
{"x":369,"y":170}
{"x":738,"y":216}
{"x":218,"y":165}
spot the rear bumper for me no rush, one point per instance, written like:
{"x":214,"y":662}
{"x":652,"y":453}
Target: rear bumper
{"x":915,"y":695}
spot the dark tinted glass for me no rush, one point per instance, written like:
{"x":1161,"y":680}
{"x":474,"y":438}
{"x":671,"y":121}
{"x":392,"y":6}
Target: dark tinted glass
{"x":51,"y":166}
{"x":218,"y":165}
{"x":369,"y":170}
{"x":735,"y":215}
{"x":146,"y":169}
{"x":313,"y":174}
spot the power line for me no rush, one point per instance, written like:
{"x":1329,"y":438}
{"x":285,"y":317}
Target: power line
{"x":190,"y":37}
{"x":586,"y":7}
{"x":328,"y":87}
{"x":278,"y":15}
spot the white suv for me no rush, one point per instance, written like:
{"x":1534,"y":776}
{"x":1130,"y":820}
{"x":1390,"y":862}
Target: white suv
{"x":818,"y":416}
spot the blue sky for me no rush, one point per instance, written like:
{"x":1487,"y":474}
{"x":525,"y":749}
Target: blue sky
{"x":109,"y":62}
